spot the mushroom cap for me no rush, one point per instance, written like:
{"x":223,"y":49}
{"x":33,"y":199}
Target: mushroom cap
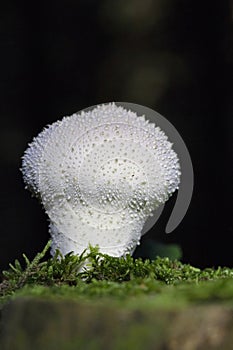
{"x":99,"y":175}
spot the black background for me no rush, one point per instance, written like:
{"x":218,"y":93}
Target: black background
{"x":174,"y":56}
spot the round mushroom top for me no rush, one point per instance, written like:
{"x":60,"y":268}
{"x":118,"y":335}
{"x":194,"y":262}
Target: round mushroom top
{"x":99,"y":175}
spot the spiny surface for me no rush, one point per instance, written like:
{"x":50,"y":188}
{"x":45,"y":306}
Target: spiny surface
{"x":99,"y":175}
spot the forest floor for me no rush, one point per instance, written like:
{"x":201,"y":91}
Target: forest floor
{"x":94,"y":301}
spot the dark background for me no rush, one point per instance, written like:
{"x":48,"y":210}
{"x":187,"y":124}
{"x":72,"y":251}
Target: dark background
{"x":174,"y":56}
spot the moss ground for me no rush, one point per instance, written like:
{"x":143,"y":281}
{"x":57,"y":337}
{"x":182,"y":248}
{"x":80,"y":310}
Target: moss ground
{"x":89,"y":301}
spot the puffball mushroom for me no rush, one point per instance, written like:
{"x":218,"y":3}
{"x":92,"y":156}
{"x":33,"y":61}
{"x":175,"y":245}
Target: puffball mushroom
{"x":99,"y":175}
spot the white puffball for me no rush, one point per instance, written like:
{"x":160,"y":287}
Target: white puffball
{"x":99,"y":175}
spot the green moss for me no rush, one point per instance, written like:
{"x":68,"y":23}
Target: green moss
{"x":92,"y":275}
{"x":95,"y":301}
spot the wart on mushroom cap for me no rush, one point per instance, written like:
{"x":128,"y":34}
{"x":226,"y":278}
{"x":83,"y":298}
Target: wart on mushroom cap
{"x":99,"y":175}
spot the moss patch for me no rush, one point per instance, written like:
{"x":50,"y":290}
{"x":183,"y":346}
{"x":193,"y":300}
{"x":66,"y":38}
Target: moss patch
{"x":94,"y":301}
{"x":93,"y":275}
